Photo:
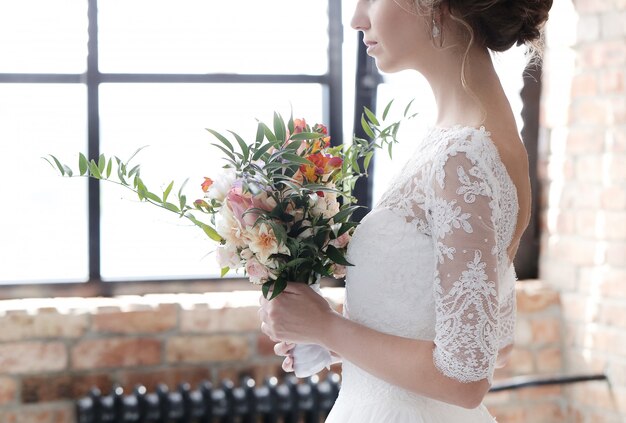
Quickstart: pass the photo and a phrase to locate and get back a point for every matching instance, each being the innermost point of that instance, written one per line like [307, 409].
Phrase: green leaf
[268, 133]
[83, 164]
[133, 171]
[226, 151]
[109, 168]
[132, 156]
[371, 116]
[102, 161]
[171, 207]
[337, 256]
[408, 106]
[260, 134]
[152, 196]
[224, 271]
[279, 127]
[366, 127]
[261, 151]
[279, 286]
[294, 158]
[366, 161]
[59, 165]
[167, 191]
[93, 169]
[222, 139]
[387, 109]
[345, 213]
[242, 144]
[303, 136]
[69, 171]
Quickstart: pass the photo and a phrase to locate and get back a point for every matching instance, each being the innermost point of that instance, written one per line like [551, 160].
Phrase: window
[111, 76]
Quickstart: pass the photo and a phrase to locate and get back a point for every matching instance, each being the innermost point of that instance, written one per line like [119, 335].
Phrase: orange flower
[207, 184]
[299, 125]
[321, 164]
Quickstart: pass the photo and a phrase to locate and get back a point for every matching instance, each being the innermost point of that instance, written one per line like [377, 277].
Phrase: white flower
[228, 257]
[263, 243]
[222, 184]
[230, 229]
[257, 273]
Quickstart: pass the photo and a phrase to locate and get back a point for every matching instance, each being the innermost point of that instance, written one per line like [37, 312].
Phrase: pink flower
[339, 271]
[257, 273]
[341, 241]
[241, 202]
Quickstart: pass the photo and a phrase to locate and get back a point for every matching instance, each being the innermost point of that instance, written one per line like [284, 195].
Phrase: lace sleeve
[461, 214]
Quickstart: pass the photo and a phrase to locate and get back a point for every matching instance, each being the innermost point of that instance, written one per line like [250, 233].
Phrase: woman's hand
[285, 349]
[297, 316]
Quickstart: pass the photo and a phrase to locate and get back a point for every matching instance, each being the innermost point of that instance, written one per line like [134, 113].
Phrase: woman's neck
[460, 103]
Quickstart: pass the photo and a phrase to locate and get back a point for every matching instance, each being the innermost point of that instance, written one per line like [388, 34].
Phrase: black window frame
[92, 78]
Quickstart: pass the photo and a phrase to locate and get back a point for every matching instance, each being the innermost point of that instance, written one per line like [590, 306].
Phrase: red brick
[520, 362]
[617, 170]
[613, 81]
[618, 134]
[584, 84]
[607, 281]
[581, 140]
[590, 111]
[585, 360]
[545, 413]
[590, 168]
[535, 296]
[576, 250]
[593, 394]
[40, 413]
[228, 319]
[592, 6]
[265, 346]
[194, 349]
[162, 319]
[21, 326]
[171, 376]
[116, 352]
[578, 308]
[613, 198]
[50, 388]
[546, 330]
[8, 390]
[509, 414]
[616, 253]
[32, 357]
[549, 360]
[602, 54]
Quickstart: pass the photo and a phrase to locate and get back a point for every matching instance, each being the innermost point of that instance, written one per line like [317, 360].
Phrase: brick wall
[584, 197]
[53, 351]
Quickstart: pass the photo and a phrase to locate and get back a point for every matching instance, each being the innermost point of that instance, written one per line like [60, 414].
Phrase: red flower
[321, 164]
[207, 184]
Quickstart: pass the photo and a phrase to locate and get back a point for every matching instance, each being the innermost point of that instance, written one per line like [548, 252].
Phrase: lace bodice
[431, 258]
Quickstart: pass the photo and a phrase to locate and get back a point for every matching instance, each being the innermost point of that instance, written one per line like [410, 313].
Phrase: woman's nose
[359, 20]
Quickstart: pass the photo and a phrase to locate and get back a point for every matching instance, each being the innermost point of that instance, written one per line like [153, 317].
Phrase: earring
[436, 32]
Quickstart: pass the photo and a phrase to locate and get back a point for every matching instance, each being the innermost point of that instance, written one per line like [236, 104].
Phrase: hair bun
[499, 24]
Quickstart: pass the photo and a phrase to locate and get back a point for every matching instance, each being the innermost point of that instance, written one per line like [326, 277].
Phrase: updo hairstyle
[497, 24]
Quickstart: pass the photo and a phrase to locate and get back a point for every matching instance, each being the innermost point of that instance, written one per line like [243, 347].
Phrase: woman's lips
[370, 45]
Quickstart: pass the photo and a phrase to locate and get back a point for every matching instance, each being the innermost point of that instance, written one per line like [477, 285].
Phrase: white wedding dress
[430, 262]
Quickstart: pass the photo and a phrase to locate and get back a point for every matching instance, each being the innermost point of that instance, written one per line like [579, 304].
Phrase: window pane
[199, 36]
[140, 241]
[47, 36]
[43, 218]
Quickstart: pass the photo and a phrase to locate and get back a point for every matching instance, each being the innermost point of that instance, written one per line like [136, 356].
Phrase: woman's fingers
[283, 348]
[288, 364]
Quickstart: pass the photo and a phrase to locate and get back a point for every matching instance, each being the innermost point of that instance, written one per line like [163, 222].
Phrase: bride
[430, 300]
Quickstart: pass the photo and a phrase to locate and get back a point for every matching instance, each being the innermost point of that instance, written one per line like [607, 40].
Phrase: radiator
[292, 401]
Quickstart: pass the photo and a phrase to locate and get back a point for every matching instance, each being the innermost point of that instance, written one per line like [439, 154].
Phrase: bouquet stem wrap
[309, 359]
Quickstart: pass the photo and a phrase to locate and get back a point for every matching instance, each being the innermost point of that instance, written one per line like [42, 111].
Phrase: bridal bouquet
[280, 208]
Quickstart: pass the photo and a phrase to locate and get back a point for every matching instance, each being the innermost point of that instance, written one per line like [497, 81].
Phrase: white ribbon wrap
[309, 359]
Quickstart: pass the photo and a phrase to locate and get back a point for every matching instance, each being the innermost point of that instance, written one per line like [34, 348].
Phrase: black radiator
[292, 401]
